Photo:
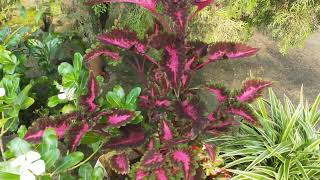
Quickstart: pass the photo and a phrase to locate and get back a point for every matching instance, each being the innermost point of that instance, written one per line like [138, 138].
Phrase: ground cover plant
[285, 146]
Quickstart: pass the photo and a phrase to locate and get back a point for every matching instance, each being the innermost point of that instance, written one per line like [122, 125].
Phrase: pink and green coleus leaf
[152, 159]
[120, 163]
[141, 174]
[148, 4]
[102, 52]
[224, 50]
[243, 111]
[166, 132]
[252, 89]
[219, 91]
[174, 65]
[161, 174]
[75, 133]
[185, 158]
[93, 90]
[133, 136]
[123, 39]
[119, 117]
[59, 124]
[211, 150]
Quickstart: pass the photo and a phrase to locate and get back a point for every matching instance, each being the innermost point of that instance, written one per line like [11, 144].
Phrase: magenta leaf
[244, 112]
[152, 159]
[105, 52]
[184, 157]
[225, 50]
[75, 133]
[166, 133]
[60, 124]
[163, 103]
[124, 39]
[148, 4]
[141, 174]
[93, 90]
[132, 136]
[120, 163]
[119, 117]
[151, 144]
[219, 91]
[161, 174]
[252, 89]
[201, 4]
[211, 151]
[173, 64]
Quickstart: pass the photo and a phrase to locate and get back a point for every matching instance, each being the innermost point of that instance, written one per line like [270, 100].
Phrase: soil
[301, 66]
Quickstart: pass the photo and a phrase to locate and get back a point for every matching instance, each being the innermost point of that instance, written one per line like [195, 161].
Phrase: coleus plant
[161, 146]
[177, 119]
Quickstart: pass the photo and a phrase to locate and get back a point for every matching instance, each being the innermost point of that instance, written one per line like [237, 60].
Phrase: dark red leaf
[75, 133]
[124, 39]
[224, 50]
[60, 124]
[132, 136]
[120, 163]
[184, 157]
[174, 65]
[252, 89]
[211, 151]
[166, 133]
[219, 91]
[89, 98]
[119, 117]
[96, 53]
[244, 112]
[152, 159]
[161, 174]
[141, 174]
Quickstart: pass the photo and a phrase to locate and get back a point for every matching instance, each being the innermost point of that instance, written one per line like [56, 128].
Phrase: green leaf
[113, 100]
[131, 99]
[27, 103]
[23, 96]
[54, 100]
[250, 175]
[85, 171]
[90, 137]
[98, 173]
[65, 68]
[77, 61]
[70, 160]
[19, 146]
[9, 176]
[49, 141]
[50, 157]
[22, 131]
[119, 91]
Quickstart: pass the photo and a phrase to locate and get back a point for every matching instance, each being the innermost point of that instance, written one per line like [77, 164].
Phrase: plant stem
[1, 143]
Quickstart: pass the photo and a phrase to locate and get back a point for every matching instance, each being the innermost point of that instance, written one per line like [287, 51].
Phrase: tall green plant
[284, 146]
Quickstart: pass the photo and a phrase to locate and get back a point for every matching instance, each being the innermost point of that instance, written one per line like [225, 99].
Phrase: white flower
[30, 165]
[67, 94]
[2, 92]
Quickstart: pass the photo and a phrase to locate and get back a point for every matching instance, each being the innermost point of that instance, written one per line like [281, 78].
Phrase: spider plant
[284, 147]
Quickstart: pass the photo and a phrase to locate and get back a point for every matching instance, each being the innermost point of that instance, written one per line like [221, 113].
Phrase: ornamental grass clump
[284, 146]
[162, 145]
